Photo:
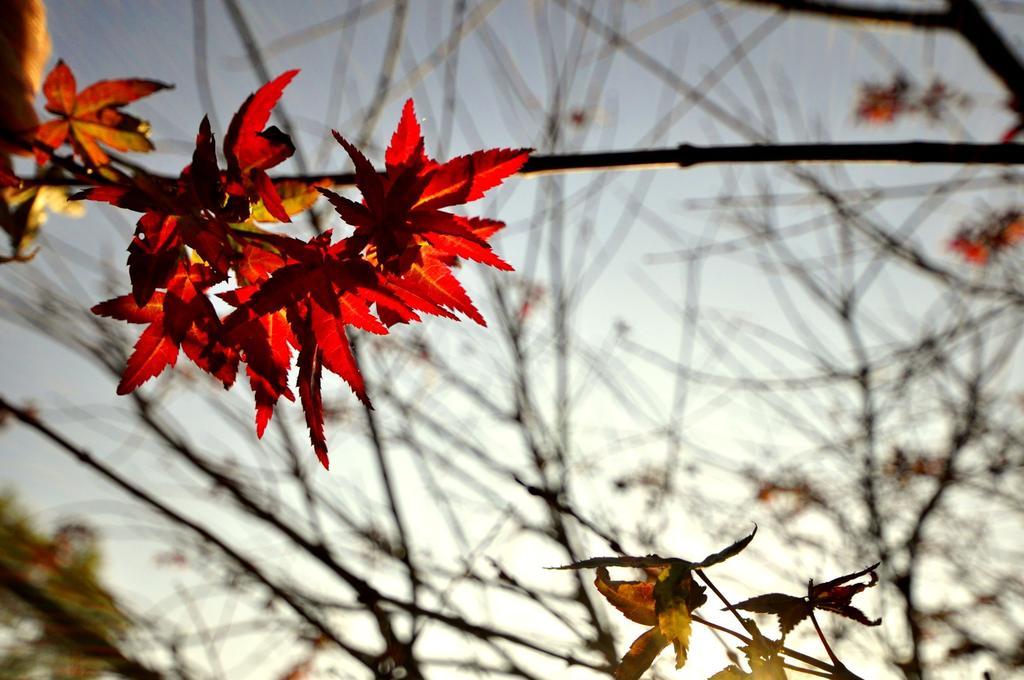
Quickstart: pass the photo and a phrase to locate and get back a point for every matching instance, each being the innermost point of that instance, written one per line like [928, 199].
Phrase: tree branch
[966, 18]
[841, 10]
[962, 16]
[248, 566]
[690, 155]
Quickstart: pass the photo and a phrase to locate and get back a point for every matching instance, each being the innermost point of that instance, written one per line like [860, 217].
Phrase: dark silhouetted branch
[961, 16]
[690, 155]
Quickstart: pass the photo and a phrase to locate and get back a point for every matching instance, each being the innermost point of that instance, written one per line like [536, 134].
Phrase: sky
[518, 60]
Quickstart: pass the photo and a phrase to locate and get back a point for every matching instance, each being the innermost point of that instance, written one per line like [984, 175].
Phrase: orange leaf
[635, 599]
[127, 309]
[92, 115]
[114, 93]
[642, 653]
[50, 135]
[59, 89]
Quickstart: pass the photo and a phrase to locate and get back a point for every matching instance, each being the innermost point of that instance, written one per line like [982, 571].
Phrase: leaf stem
[728, 605]
[832, 671]
[808, 671]
[837, 669]
[824, 642]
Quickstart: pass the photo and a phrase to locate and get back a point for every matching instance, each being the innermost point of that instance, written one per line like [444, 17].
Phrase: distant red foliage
[978, 242]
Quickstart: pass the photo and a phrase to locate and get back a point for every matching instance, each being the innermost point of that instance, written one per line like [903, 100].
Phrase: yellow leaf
[671, 597]
[296, 197]
[771, 668]
[675, 626]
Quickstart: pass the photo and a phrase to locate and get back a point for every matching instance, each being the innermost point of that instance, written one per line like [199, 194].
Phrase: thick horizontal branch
[689, 155]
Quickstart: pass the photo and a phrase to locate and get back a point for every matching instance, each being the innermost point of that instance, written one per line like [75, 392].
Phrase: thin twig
[824, 641]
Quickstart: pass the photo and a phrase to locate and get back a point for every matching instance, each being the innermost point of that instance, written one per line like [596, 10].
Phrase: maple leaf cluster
[993, 234]
[904, 467]
[789, 498]
[293, 301]
[883, 103]
[92, 116]
[666, 599]
[833, 596]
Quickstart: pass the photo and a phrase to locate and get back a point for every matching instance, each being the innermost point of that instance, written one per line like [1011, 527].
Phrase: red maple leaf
[251, 150]
[197, 209]
[317, 291]
[973, 251]
[292, 294]
[92, 116]
[397, 262]
[977, 242]
[264, 346]
[880, 104]
[8, 178]
[182, 318]
[401, 214]
[833, 596]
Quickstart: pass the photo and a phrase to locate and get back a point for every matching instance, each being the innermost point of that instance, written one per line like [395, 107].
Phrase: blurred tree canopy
[58, 619]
